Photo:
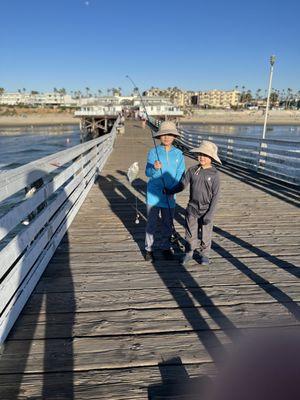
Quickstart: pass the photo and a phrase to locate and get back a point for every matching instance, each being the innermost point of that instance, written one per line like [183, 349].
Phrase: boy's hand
[167, 192]
[157, 164]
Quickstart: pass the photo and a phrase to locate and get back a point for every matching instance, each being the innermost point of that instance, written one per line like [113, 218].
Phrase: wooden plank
[149, 321]
[114, 300]
[286, 265]
[102, 283]
[111, 352]
[114, 384]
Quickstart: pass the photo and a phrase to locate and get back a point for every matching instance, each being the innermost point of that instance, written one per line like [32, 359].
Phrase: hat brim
[200, 151]
[162, 133]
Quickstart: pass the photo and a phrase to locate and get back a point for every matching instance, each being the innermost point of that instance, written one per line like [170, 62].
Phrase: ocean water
[19, 146]
[278, 132]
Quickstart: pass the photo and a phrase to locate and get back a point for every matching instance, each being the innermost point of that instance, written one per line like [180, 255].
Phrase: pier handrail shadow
[271, 289]
[281, 190]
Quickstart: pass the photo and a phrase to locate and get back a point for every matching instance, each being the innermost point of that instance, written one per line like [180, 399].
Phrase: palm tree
[87, 90]
[2, 90]
[24, 90]
[289, 97]
[248, 95]
[243, 94]
[99, 92]
[273, 97]
[257, 94]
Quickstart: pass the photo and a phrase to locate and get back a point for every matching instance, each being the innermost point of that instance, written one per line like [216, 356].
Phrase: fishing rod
[174, 236]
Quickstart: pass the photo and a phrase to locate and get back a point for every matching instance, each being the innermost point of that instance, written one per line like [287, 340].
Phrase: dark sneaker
[168, 254]
[187, 259]
[204, 260]
[149, 256]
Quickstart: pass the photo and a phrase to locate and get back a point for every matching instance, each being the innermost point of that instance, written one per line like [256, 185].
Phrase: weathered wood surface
[104, 324]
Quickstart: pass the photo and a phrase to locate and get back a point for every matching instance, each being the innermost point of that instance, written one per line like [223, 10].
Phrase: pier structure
[97, 118]
[83, 316]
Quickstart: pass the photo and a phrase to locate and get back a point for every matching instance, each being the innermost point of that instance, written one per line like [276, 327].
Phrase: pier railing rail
[32, 229]
[278, 159]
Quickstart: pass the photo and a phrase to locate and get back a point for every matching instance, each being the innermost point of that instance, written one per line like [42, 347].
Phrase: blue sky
[190, 44]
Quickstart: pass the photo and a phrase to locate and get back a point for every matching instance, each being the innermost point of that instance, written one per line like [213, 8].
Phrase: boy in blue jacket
[165, 167]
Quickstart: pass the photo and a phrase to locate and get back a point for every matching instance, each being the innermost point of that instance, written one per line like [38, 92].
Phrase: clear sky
[192, 44]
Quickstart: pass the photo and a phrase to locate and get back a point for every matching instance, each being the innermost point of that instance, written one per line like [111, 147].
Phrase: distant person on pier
[144, 120]
[204, 183]
[165, 167]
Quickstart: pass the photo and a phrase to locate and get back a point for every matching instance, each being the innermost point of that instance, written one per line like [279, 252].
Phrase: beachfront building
[218, 98]
[210, 98]
[157, 106]
[110, 105]
[177, 96]
[37, 99]
[12, 99]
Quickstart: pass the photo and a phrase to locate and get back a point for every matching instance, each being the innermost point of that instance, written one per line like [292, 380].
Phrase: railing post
[261, 155]
[229, 151]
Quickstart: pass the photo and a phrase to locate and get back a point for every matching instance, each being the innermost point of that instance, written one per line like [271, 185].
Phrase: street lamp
[272, 62]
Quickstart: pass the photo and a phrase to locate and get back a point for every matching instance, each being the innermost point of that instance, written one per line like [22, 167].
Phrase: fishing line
[174, 237]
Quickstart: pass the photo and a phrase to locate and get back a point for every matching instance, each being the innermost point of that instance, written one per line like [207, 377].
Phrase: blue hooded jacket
[173, 166]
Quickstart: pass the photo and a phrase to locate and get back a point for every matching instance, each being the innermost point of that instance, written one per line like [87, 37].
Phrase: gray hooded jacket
[204, 191]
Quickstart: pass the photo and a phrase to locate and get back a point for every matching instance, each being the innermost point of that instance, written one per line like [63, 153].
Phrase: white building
[37, 99]
[112, 105]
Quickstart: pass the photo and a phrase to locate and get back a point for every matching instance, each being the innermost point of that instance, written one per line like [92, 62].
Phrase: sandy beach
[38, 117]
[53, 117]
[255, 117]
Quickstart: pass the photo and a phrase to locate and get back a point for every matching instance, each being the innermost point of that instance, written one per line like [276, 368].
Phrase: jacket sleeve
[180, 169]
[208, 217]
[184, 181]
[150, 171]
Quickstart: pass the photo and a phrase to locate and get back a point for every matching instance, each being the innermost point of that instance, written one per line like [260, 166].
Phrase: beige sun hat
[167, 128]
[209, 149]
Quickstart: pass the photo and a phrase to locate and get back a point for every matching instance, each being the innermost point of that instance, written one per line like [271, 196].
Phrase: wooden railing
[47, 194]
[279, 159]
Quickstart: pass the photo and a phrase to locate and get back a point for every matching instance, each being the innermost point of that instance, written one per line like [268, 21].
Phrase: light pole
[272, 62]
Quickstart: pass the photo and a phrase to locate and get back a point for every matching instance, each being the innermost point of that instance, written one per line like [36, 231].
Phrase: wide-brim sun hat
[167, 128]
[209, 149]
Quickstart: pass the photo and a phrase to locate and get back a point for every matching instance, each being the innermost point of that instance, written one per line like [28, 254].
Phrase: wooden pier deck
[104, 324]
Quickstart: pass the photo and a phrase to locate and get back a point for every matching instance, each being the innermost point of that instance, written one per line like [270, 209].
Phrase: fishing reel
[175, 239]
[137, 219]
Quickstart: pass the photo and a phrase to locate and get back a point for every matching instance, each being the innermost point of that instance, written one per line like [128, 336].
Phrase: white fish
[133, 172]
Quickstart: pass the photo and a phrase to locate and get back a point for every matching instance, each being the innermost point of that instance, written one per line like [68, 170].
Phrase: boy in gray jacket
[204, 184]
